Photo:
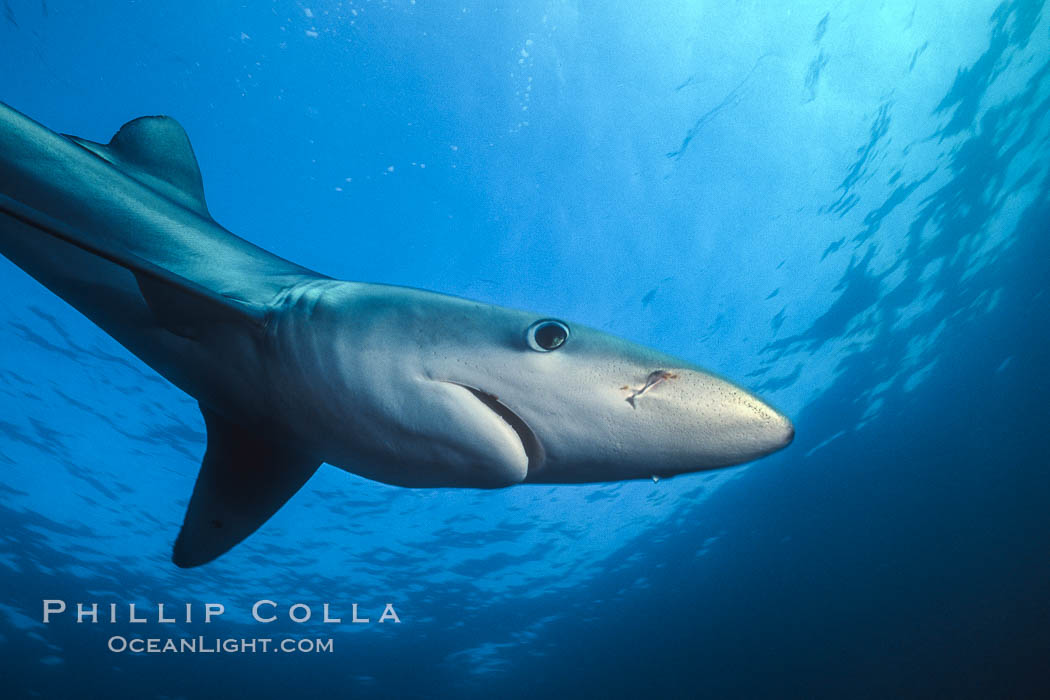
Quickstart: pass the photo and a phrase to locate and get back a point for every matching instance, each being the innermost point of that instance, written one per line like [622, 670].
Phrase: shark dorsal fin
[244, 479]
[156, 151]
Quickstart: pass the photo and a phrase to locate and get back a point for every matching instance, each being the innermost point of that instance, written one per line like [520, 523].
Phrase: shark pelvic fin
[244, 479]
[156, 151]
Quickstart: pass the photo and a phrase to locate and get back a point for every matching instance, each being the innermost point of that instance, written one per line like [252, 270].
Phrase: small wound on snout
[655, 377]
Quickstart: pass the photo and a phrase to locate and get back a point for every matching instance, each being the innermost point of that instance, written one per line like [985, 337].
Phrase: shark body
[292, 368]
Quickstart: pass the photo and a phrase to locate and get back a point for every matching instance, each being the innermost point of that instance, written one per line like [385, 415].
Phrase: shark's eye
[547, 335]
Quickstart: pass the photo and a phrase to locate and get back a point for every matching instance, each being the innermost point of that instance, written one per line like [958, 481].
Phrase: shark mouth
[530, 443]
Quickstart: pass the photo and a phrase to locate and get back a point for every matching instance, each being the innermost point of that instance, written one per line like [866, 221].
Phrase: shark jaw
[529, 442]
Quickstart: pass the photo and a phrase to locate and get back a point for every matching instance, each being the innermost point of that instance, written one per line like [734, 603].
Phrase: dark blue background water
[843, 207]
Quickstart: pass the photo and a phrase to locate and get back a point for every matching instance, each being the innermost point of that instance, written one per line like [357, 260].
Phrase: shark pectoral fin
[244, 479]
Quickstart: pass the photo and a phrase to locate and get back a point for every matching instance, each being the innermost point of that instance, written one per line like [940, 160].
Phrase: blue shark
[293, 369]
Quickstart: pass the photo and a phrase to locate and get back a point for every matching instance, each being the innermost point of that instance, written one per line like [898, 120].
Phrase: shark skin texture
[293, 369]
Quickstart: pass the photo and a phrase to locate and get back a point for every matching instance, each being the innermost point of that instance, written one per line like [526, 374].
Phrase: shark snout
[787, 433]
[704, 421]
[769, 429]
[745, 426]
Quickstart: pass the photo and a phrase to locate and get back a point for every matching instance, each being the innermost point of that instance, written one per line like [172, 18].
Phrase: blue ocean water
[844, 207]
